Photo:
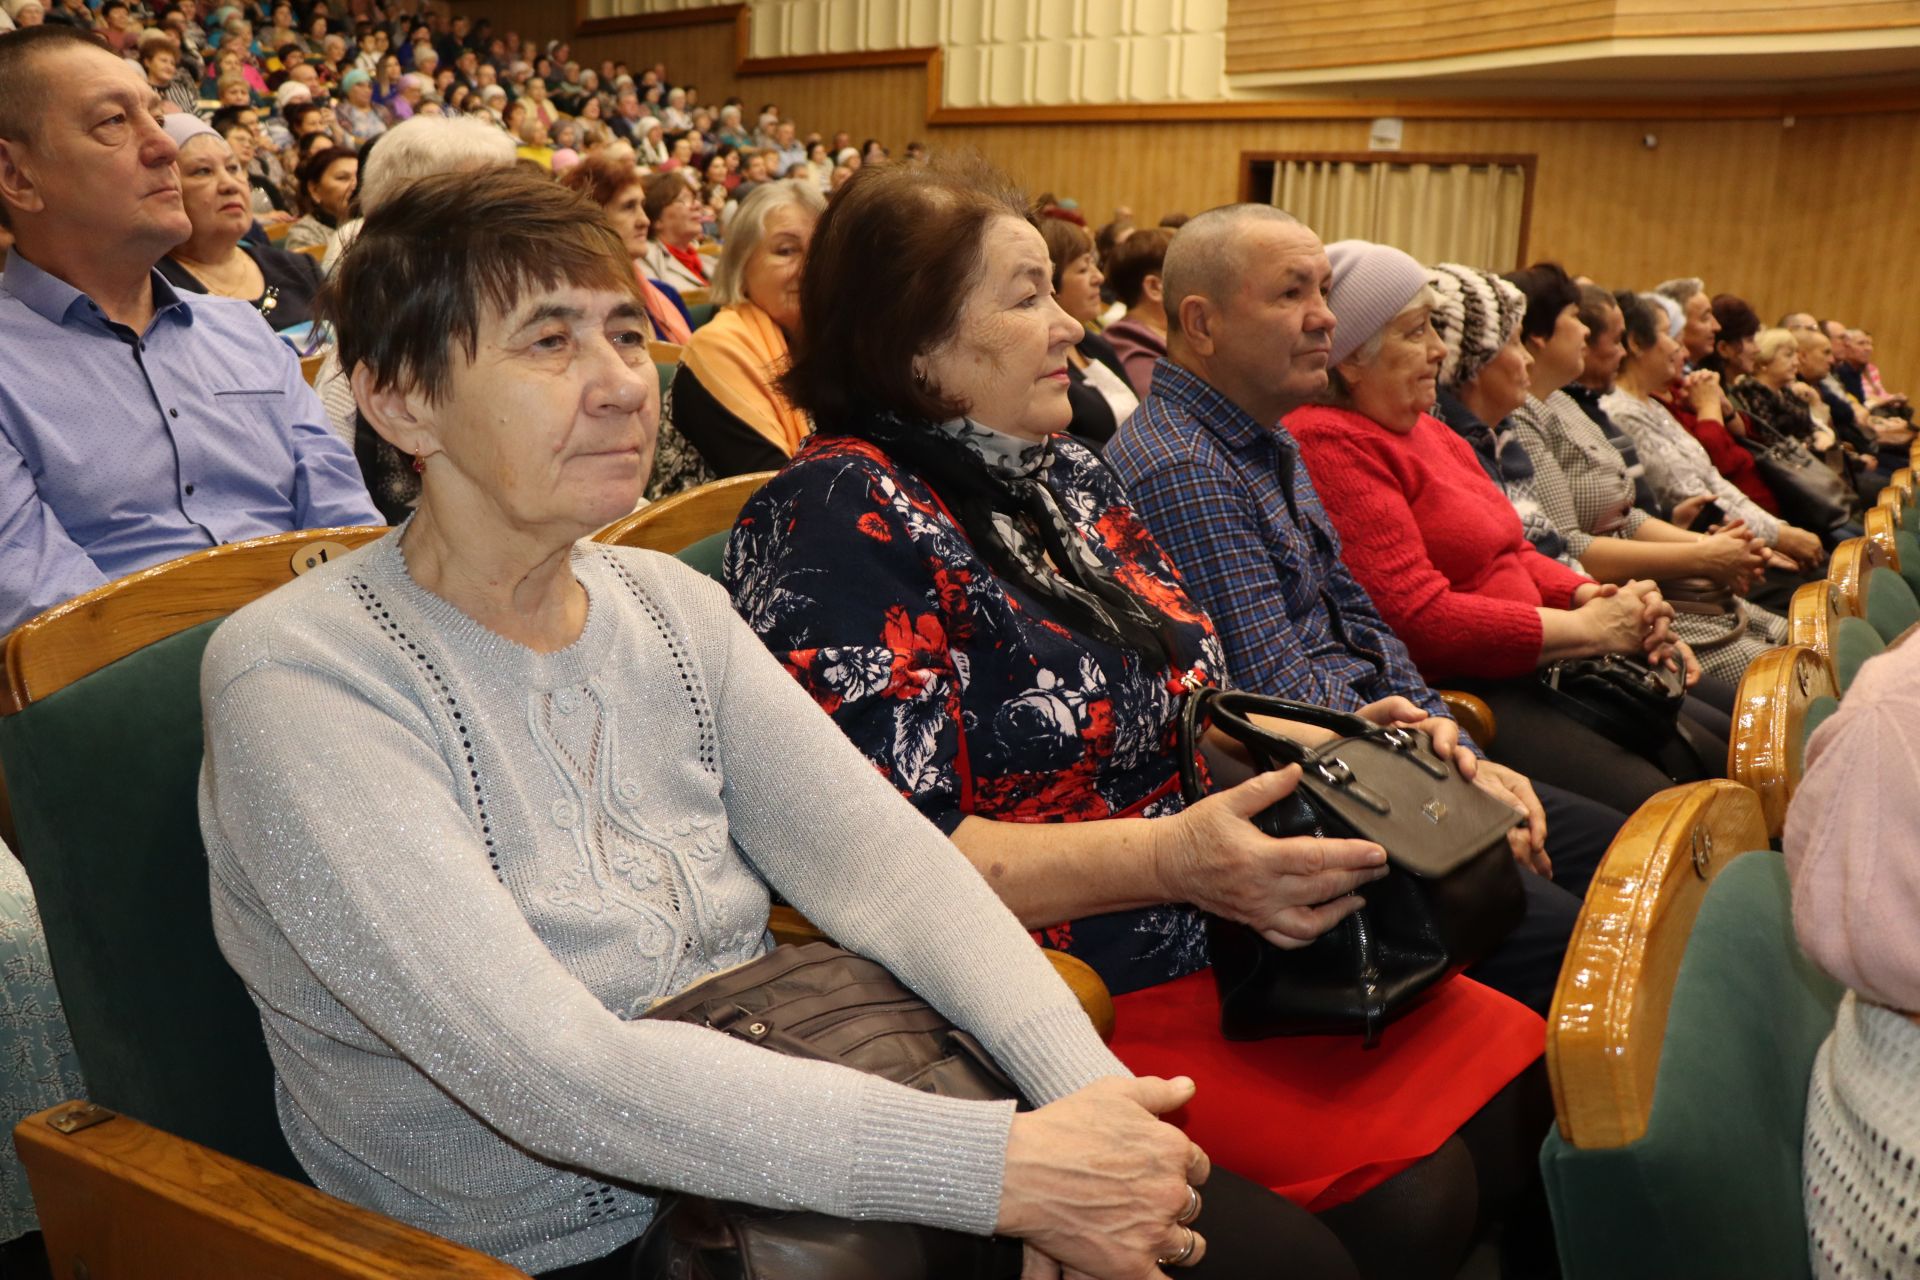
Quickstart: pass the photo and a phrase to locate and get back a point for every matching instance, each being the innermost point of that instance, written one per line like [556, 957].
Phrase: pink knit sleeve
[1448, 632]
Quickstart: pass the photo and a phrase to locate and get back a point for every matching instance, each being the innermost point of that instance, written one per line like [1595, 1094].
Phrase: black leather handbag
[1451, 893]
[821, 1002]
[1811, 494]
[1630, 703]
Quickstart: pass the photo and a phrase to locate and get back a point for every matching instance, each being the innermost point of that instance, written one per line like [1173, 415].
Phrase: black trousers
[1527, 964]
[1538, 739]
[1418, 1225]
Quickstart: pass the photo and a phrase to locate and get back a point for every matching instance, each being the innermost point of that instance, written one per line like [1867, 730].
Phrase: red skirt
[1318, 1118]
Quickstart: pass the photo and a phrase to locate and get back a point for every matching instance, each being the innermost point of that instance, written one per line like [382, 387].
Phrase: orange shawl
[737, 355]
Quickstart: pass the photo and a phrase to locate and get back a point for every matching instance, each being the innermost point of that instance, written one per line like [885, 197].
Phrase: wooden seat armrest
[121, 1200]
[789, 926]
[1473, 713]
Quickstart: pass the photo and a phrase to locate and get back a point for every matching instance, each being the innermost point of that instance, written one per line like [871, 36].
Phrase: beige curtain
[1438, 213]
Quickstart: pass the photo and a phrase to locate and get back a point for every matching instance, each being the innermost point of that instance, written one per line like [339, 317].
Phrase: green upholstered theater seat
[1891, 606]
[698, 313]
[1909, 548]
[103, 776]
[1817, 712]
[1712, 1191]
[665, 373]
[1854, 641]
[705, 554]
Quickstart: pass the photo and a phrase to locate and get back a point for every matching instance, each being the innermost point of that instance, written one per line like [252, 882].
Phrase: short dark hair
[226, 119]
[296, 114]
[1595, 302]
[1140, 255]
[1066, 242]
[861, 328]
[1549, 291]
[662, 190]
[1645, 322]
[1738, 320]
[315, 167]
[444, 251]
[22, 93]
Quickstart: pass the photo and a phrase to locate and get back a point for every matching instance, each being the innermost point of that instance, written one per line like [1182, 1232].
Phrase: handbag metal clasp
[1336, 773]
[1412, 743]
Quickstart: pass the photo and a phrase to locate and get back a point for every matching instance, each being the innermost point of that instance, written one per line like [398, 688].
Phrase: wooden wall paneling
[1811, 216]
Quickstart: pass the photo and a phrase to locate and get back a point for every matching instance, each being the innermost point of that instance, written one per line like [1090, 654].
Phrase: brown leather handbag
[821, 1002]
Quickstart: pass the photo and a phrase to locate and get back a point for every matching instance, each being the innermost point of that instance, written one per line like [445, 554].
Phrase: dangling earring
[420, 463]
[919, 377]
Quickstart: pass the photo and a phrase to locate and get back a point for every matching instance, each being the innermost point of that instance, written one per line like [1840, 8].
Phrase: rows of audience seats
[1685, 1025]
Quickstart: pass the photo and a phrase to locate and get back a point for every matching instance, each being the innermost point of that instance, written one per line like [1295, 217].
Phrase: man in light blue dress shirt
[137, 424]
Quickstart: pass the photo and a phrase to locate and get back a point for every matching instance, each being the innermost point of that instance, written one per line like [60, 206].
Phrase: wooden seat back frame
[676, 523]
[1769, 725]
[1609, 1013]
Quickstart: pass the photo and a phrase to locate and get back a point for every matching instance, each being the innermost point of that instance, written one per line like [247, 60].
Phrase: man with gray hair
[1221, 484]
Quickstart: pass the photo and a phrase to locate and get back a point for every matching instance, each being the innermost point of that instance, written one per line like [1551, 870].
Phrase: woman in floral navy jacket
[975, 602]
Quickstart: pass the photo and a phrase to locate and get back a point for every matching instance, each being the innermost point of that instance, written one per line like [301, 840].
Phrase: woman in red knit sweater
[1441, 550]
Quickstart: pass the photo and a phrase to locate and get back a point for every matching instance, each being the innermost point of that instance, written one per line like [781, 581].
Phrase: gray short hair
[424, 145]
[749, 224]
[1681, 288]
[1206, 256]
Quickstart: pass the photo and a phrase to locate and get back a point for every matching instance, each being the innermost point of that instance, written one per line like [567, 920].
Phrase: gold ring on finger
[1175, 1259]
[1192, 1210]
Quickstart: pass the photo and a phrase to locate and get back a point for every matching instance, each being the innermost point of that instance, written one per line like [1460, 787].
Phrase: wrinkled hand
[1702, 390]
[1442, 731]
[1688, 510]
[1529, 840]
[1095, 1180]
[1731, 556]
[1803, 547]
[1656, 615]
[1291, 890]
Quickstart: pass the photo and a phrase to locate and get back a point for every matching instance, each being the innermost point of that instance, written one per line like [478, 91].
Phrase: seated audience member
[1220, 482]
[938, 525]
[1699, 398]
[1599, 367]
[1699, 325]
[1134, 275]
[1871, 434]
[1677, 465]
[1097, 386]
[725, 404]
[1774, 397]
[216, 436]
[1442, 554]
[619, 191]
[1853, 857]
[1483, 379]
[324, 185]
[363, 119]
[564, 747]
[1876, 394]
[1583, 489]
[1801, 450]
[174, 77]
[240, 126]
[674, 217]
[217, 258]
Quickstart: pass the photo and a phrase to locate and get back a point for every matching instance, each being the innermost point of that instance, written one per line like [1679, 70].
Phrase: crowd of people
[1037, 482]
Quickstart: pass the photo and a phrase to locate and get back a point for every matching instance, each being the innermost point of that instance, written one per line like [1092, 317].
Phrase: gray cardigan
[453, 871]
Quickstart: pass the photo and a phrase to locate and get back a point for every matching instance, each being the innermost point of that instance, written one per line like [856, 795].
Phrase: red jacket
[1435, 544]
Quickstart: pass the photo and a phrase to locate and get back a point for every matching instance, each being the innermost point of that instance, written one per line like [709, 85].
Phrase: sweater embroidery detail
[383, 617]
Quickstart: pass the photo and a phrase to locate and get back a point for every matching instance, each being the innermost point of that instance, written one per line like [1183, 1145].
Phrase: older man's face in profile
[1277, 326]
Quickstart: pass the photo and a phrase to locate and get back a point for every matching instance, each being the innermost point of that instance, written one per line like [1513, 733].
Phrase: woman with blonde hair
[726, 401]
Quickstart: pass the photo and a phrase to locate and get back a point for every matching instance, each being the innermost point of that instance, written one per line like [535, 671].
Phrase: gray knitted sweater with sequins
[452, 872]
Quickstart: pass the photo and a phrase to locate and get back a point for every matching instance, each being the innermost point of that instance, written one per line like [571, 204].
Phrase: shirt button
[189, 491]
[173, 413]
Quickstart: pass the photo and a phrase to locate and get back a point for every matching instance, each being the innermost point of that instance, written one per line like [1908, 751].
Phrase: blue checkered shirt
[1231, 503]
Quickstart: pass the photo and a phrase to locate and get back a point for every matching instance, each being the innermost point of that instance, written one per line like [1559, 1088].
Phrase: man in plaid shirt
[1223, 487]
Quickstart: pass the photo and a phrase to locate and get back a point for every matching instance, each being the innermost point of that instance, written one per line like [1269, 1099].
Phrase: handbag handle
[1232, 709]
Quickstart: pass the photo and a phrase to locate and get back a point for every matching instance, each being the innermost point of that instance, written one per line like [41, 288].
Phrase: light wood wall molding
[585, 24]
[1281, 36]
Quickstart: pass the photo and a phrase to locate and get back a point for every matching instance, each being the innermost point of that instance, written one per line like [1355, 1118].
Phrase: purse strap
[1232, 712]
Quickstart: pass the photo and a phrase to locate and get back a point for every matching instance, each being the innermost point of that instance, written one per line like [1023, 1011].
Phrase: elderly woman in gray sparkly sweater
[480, 794]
